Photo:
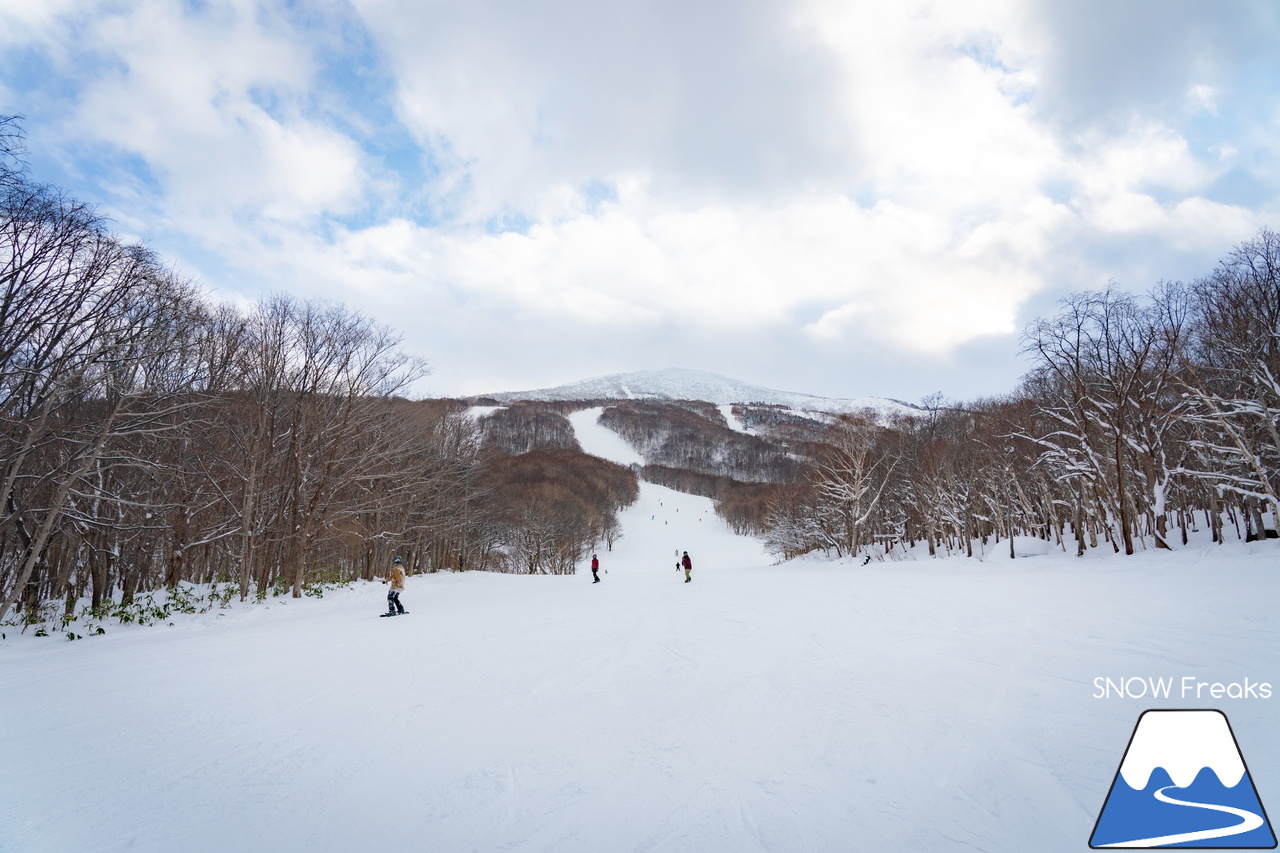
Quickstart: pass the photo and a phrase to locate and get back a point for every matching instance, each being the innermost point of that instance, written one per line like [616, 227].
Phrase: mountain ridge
[676, 383]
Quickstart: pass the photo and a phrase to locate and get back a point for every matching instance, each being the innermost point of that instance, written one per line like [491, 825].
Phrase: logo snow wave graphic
[1248, 822]
[1166, 815]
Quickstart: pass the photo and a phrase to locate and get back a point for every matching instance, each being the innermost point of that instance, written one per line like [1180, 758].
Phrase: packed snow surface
[675, 383]
[925, 706]
[930, 705]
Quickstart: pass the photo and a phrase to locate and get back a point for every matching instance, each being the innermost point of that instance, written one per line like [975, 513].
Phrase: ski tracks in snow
[932, 706]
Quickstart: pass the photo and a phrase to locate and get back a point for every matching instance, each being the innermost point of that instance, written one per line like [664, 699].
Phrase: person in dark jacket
[595, 568]
[688, 567]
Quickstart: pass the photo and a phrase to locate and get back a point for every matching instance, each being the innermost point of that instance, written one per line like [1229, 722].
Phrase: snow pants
[393, 602]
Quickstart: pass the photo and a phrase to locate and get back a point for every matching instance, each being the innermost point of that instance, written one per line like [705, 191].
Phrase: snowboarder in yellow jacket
[396, 579]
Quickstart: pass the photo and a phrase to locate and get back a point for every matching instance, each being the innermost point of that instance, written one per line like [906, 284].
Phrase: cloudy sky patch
[835, 197]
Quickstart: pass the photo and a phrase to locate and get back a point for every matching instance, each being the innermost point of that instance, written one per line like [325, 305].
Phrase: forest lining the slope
[151, 437]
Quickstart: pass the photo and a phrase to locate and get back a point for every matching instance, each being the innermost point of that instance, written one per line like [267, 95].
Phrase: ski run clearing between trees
[817, 705]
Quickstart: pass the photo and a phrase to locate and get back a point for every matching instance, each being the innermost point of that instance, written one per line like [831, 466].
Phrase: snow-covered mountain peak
[676, 383]
[1183, 743]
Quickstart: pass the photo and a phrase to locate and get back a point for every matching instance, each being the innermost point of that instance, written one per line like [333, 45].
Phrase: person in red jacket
[595, 568]
[688, 567]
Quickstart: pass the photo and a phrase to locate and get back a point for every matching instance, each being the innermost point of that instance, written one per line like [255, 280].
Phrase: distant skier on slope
[394, 607]
[595, 568]
[688, 567]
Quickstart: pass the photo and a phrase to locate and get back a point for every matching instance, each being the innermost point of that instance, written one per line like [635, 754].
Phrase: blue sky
[833, 197]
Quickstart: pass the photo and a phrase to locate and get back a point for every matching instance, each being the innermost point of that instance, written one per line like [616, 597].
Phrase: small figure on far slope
[595, 568]
[688, 567]
[396, 578]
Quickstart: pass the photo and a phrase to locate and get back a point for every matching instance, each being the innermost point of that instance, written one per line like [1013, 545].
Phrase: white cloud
[1147, 155]
[886, 274]
[1203, 98]
[515, 99]
[817, 176]
[213, 102]
[26, 21]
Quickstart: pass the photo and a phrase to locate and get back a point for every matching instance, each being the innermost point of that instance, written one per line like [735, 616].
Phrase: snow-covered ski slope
[600, 441]
[942, 705]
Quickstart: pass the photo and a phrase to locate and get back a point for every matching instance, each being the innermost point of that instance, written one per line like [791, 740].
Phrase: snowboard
[405, 613]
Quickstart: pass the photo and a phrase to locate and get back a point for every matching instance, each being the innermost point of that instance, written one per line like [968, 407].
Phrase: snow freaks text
[1186, 687]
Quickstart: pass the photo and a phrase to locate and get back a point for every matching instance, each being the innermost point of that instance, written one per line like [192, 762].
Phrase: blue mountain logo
[1183, 783]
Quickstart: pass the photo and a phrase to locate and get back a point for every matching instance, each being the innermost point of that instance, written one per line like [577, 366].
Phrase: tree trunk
[174, 574]
[1122, 502]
